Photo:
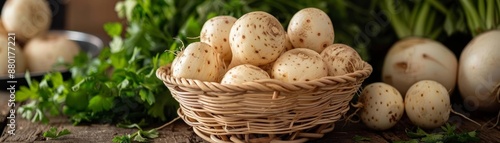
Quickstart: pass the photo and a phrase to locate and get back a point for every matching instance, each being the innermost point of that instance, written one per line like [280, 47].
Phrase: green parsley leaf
[24, 94]
[122, 139]
[432, 138]
[147, 95]
[77, 101]
[99, 103]
[113, 28]
[54, 133]
[56, 79]
[448, 135]
[138, 137]
[151, 134]
[417, 134]
[80, 117]
[408, 141]
[358, 138]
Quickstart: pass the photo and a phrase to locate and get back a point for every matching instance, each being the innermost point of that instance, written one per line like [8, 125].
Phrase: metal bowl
[87, 43]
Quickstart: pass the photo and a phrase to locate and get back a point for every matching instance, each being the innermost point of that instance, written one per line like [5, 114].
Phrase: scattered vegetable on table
[381, 106]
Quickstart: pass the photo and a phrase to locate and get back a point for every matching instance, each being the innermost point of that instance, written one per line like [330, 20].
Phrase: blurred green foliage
[159, 22]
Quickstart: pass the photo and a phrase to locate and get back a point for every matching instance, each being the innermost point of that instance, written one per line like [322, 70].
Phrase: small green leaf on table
[54, 133]
[358, 138]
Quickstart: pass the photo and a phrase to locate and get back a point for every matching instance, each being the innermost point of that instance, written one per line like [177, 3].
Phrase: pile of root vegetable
[419, 73]
[31, 44]
[256, 46]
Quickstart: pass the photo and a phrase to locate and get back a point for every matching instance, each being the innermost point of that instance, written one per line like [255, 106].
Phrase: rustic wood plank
[178, 132]
[181, 132]
[485, 134]
[398, 132]
[4, 109]
[346, 132]
[32, 132]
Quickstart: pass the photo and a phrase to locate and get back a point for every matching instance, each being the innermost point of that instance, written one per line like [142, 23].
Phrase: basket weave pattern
[265, 110]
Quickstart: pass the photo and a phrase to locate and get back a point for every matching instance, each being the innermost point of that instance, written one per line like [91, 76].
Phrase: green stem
[470, 23]
[473, 15]
[498, 5]
[414, 13]
[430, 23]
[481, 8]
[498, 13]
[400, 28]
[438, 6]
[422, 17]
[490, 14]
[434, 34]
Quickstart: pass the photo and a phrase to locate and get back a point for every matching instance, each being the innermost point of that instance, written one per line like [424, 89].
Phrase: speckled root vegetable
[215, 32]
[479, 72]
[43, 52]
[427, 104]
[244, 73]
[299, 64]
[256, 38]
[26, 18]
[311, 28]
[17, 57]
[413, 59]
[198, 61]
[341, 59]
[382, 106]
[268, 67]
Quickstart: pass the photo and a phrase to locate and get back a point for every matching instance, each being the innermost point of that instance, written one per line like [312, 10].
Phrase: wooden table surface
[181, 132]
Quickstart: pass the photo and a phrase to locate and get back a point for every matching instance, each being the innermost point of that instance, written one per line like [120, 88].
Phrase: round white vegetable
[311, 28]
[256, 38]
[479, 72]
[26, 18]
[299, 64]
[198, 61]
[244, 73]
[43, 52]
[382, 106]
[15, 56]
[414, 59]
[427, 104]
[215, 32]
[341, 59]
[268, 67]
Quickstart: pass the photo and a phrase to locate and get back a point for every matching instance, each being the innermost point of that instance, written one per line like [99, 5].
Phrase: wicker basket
[264, 110]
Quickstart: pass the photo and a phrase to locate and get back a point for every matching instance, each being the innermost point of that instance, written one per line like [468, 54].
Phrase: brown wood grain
[181, 132]
[27, 131]
[4, 109]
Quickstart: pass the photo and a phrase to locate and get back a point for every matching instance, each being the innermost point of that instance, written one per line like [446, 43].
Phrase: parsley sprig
[447, 135]
[54, 133]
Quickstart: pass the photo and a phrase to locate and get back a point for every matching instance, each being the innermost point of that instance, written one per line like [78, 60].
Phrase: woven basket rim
[163, 73]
